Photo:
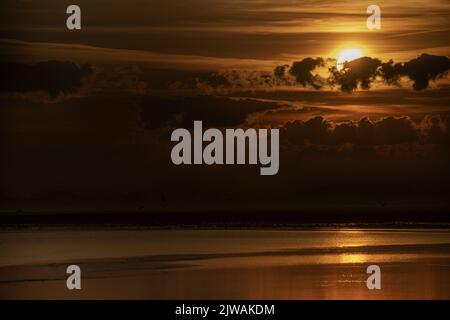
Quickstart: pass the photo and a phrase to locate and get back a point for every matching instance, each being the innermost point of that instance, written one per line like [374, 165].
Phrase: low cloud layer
[320, 74]
[51, 77]
[64, 78]
[363, 72]
[433, 129]
[157, 112]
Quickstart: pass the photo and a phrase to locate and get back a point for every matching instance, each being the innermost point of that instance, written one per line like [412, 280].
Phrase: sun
[348, 55]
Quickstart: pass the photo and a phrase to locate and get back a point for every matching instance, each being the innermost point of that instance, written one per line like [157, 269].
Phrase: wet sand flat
[225, 264]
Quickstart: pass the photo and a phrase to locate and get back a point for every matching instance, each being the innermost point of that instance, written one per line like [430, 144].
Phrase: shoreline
[286, 227]
[264, 218]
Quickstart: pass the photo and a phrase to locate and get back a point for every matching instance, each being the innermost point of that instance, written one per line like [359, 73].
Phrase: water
[226, 264]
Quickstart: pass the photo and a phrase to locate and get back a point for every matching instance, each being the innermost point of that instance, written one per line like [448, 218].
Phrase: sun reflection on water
[353, 258]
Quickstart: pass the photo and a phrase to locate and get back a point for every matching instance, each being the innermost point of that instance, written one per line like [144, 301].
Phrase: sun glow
[348, 55]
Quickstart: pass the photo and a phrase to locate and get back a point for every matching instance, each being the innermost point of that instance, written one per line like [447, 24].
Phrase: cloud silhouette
[157, 112]
[357, 73]
[316, 130]
[391, 72]
[280, 71]
[52, 77]
[57, 78]
[436, 129]
[426, 68]
[384, 131]
[302, 71]
[362, 72]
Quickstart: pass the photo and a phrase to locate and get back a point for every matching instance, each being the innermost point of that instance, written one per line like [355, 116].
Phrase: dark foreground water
[225, 264]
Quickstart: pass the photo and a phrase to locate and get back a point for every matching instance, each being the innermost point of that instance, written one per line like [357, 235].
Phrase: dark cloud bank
[57, 78]
[214, 111]
[362, 72]
[93, 148]
[52, 77]
[433, 129]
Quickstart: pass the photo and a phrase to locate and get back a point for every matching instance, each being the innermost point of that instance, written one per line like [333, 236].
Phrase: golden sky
[223, 33]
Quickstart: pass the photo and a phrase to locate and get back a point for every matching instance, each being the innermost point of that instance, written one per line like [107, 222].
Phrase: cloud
[357, 73]
[157, 112]
[313, 73]
[56, 79]
[316, 130]
[51, 77]
[280, 71]
[420, 70]
[120, 79]
[387, 130]
[391, 72]
[302, 71]
[426, 68]
[226, 81]
[436, 129]
[362, 72]
[384, 131]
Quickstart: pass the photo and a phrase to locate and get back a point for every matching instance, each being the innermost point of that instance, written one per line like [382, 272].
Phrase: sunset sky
[223, 32]
[87, 113]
